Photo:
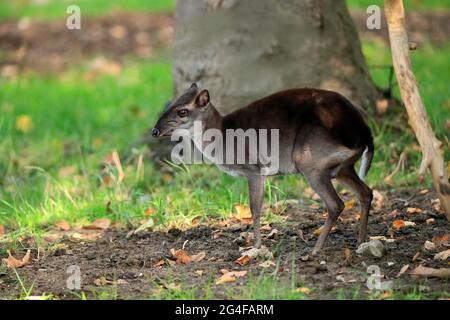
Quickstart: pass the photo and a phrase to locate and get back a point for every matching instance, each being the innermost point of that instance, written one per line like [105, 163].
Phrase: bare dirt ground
[45, 46]
[144, 263]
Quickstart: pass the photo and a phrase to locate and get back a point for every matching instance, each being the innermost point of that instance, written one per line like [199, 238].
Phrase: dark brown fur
[300, 108]
[321, 135]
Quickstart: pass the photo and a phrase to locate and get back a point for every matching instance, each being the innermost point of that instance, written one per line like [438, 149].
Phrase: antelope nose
[155, 132]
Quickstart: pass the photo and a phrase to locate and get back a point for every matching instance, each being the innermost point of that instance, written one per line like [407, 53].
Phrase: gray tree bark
[242, 50]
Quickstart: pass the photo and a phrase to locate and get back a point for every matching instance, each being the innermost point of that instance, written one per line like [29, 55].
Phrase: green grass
[76, 123]
[409, 4]
[51, 9]
[429, 64]
[416, 292]
[51, 172]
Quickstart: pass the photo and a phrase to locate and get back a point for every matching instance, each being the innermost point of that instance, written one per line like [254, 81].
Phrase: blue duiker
[321, 135]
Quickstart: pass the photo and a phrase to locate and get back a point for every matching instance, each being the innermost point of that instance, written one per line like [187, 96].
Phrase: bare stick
[432, 153]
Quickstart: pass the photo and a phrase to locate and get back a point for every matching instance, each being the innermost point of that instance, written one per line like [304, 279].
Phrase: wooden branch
[432, 153]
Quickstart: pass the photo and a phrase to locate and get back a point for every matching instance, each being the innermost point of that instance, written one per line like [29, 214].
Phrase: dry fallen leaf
[415, 256]
[167, 177]
[350, 204]
[230, 276]
[413, 210]
[242, 260]
[308, 192]
[382, 106]
[398, 224]
[393, 214]
[347, 255]
[199, 272]
[89, 235]
[198, 257]
[246, 238]
[316, 196]
[267, 264]
[102, 65]
[2, 231]
[441, 241]
[99, 224]
[12, 262]
[181, 255]
[146, 225]
[102, 223]
[102, 281]
[217, 235]
[422, 271]
[24, 124]
[184, 258]
[118, 31]
[107, 180]
[160, 263]
[304, 290]
[318, 231]
[243, 214]
[402, 270]
[272, 234]
[117, 224]
[442, 255]
[227, 277]
[378, 200]
[150, 211]
[257, 252]
[121, 282]
[62, 225]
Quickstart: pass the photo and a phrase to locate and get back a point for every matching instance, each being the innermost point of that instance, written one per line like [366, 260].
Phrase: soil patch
[49, 47]
[136, 260]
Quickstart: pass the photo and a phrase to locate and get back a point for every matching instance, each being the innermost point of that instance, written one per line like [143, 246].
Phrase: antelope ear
[194, 85]
[202, 99]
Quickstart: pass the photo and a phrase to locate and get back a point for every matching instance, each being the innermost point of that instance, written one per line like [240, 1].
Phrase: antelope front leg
[256, 186]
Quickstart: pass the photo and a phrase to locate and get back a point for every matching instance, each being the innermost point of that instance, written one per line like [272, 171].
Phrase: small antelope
[321, 135]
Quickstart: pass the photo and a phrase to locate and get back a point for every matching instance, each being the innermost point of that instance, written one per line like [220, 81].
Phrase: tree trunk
[432, 154]
[242, 50]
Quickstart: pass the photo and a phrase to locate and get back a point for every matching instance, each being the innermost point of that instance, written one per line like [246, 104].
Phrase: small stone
[305, 257]
[258, 252]
[373, 248]
[429, 245]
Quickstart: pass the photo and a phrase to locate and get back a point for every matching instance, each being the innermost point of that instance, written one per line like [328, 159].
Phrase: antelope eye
[182, 113]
